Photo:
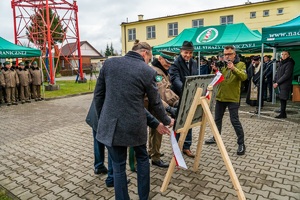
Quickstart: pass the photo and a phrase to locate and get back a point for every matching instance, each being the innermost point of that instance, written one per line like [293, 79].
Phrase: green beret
[34, 63]
[7, 63]
[168, 56]
[21, 64]
[27, 62]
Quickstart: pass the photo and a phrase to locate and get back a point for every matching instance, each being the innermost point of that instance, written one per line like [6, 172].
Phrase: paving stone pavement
[46, 152]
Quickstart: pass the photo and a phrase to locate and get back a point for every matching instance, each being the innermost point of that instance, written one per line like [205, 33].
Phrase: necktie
[187, 64]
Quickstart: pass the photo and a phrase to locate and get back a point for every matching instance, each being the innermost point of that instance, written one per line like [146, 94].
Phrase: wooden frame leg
[223, 151]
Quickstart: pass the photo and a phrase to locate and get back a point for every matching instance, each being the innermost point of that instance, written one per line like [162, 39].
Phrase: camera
[219, 64]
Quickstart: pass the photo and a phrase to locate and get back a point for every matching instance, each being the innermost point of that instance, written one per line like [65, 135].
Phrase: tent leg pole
[261, 79]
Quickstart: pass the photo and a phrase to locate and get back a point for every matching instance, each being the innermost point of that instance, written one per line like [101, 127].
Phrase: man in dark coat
[99, 148]
[183, 66]
[119, 99]
[283, 81]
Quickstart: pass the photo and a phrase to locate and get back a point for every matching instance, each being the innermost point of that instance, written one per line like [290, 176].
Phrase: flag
[218, 79]
[177, 153]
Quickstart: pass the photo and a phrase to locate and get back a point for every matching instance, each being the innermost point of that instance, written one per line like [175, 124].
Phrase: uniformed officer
[1, 88]
[36, 76]
[25, 80]
[10, 81]
[169, 99]
[17, 90]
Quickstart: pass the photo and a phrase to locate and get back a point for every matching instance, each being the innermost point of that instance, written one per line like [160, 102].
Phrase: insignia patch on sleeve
[158, 78]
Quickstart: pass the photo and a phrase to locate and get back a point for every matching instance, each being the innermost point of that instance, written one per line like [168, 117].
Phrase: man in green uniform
[170, 101]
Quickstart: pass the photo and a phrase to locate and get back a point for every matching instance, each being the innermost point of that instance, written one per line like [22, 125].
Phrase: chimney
[141, 17]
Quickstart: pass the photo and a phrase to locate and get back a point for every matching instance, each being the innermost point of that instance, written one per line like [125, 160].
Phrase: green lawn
[3, 196]
[71, 88]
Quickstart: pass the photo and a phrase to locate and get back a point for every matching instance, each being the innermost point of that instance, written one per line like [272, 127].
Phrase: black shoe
[281, 116]
[269, 100]
[101, 170]
[241, 149]
[210, 141]
[160, 163]
[161, 155]
[111, 184]
[14, 103]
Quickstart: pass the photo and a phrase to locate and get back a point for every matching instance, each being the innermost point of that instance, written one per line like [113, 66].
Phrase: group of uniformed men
[20, 82]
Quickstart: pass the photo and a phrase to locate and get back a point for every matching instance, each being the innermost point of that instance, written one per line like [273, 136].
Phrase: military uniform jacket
[168, 96]
[24, 77]
[1, 78]
[36, 76]
[10, 77]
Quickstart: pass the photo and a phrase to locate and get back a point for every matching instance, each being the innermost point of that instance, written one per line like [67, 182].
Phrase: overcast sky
[99, 20]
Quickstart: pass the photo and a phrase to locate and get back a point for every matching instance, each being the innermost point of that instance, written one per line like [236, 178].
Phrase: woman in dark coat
[283, 81]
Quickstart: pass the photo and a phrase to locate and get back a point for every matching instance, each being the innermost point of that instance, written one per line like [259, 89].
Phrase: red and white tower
[44, 14]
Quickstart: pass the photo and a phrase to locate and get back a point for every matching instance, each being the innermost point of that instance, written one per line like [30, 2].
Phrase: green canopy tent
[285, 36]
[282, 36]
[10, 50]
[212, 39]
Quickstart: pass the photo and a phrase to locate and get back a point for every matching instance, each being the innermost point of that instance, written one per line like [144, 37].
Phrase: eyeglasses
[228, 54]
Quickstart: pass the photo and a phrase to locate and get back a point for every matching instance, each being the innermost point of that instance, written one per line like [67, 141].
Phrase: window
[150, 32]
[131, 34]
[266, 13]
[279, 11]
[173, 29]
[252, 15]
[197, 23]
[226, 20]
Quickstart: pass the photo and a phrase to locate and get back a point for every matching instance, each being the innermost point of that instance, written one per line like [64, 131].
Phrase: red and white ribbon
[218, 79]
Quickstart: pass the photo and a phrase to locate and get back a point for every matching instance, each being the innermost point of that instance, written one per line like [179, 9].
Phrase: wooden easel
[206, 117]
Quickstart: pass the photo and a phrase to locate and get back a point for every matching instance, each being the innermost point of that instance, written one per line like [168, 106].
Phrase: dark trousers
[234, 118]
[270, 88]
[188, 140]
[118, 156]
[98, 152]
[283, 107]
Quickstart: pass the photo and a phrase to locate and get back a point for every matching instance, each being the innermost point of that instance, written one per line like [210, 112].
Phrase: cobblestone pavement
[46, 152]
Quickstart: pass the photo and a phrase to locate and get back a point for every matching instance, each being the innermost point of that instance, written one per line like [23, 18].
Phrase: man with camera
[228, 95]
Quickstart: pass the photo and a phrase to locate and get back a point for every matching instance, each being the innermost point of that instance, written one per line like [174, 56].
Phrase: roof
[70, 48]
[250, 4]
[212, 39]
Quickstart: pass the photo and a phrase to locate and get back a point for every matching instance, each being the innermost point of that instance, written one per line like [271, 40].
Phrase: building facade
[255, 15]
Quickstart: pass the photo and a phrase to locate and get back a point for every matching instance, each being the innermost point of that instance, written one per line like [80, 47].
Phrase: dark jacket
[119, 100]
[284, 77]
[179, 70]
[92, 118]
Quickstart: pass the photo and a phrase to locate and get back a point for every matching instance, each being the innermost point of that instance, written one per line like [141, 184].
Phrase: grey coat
[92, 118]
[119, 99]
